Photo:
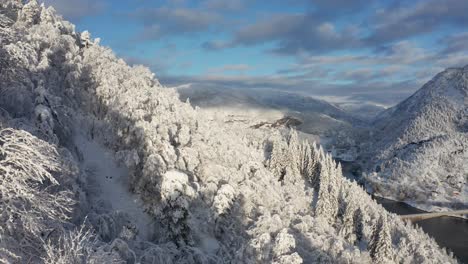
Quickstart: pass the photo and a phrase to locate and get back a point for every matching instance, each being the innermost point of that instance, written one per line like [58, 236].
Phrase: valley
[102, 163]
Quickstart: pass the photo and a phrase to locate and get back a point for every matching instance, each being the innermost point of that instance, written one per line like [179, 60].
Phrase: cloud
[216, 45]
[356, 68]
[319, 30]
[75, 10]
[334, 8]
[340, 4]
[401, 21]
[380, 93]
[273, 28]
[237, 68]
[293, 33]
[403, 52]
[159, 67]
[310, 31]
[164, 21]
[340, 47]
[455, 44]
[231, 5]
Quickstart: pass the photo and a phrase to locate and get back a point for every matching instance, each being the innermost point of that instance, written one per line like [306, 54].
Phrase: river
[449, 232]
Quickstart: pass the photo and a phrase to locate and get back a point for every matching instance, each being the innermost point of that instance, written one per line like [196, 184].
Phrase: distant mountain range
[317, 116]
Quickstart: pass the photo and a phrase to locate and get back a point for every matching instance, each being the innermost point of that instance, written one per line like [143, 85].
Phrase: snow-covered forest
[101, 164]
[414, 152]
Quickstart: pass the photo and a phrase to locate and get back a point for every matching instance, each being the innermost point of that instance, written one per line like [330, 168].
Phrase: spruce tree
[324, 207]
[334, 187]
[305, 158]
[277, 157]
[294, 153]
[380, 246]
[348, 227]
[358, 224]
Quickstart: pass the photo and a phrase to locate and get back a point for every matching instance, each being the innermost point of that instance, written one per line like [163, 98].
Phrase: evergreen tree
[348, 227]
[305, 158]
[309, 164]
[295, 154]
[358, 224]
[313, 167]
[372, 246]
[279, 160]
[323, 207]
[335, 175]
[380, 246]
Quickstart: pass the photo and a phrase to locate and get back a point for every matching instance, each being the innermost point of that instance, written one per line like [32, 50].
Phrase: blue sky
[349, 50]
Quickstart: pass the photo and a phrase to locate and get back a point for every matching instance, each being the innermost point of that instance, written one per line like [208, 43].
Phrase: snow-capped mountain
[363, 110]
[256, 105]
[99, 163]
[419, 148]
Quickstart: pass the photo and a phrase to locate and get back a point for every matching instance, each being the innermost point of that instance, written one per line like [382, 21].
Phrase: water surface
[449, 232]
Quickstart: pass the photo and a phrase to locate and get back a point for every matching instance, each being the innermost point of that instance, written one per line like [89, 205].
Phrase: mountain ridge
[428, 126]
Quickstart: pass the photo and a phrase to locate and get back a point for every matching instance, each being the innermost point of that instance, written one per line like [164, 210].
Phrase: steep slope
[420, 147]
[74, 117]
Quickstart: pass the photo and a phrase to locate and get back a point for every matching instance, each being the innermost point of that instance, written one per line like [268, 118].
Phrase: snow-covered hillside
[419, 148]
[99, 163]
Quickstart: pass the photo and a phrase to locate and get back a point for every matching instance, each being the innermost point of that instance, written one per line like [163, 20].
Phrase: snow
[254, 106]
[218, 192]
[112, 184]
[417, 150]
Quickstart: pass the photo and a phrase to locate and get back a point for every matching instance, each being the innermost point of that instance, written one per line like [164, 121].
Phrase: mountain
[317, 116]
[362, 110]
[99, 163]
[419, 148]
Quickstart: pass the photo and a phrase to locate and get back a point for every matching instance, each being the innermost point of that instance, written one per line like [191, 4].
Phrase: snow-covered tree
[329, 188]
[278, 161]
[380, 245]
[348, 225]
[31, 199]
[202, 182]
[358, 224]
[78, 247]
[309, 163]
[30, 13]
[176, 195]
[324, 205]
[294, 152]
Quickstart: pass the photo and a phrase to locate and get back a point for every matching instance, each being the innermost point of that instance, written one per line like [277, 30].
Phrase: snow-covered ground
[108, 185]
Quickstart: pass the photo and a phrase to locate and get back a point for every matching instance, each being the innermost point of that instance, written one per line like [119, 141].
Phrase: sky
[362, 51]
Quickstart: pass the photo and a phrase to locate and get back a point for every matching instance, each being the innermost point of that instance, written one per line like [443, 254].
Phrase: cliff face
[101, 164]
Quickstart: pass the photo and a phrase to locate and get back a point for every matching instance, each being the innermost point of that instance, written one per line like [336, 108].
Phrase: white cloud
[239, 68]
[75, 10]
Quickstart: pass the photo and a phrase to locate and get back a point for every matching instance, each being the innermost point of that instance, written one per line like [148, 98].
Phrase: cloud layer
[375, 50]
[75, 10]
